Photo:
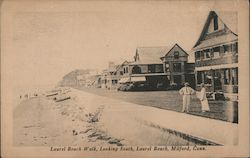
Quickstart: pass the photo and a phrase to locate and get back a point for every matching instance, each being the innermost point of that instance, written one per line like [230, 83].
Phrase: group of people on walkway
[186, 93]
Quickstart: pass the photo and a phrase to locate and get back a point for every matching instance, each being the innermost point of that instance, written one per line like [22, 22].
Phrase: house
[216, 54]
[113, 74]
[148, 67]
[158, 67]
[177, 68]
[124, 72]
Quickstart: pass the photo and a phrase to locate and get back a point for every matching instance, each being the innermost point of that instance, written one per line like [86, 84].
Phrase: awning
[124, 80]
[137, 79]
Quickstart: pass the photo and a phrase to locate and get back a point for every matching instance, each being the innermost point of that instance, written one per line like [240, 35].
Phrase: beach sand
[84, 119]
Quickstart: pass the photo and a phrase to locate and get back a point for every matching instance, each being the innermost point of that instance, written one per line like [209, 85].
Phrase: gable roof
[216, 41]
[112, 68]
[173, 48]
[120, 65]
[151, 55]
[228, 18]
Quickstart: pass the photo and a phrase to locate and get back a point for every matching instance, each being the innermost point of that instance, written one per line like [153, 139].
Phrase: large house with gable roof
[216, 54]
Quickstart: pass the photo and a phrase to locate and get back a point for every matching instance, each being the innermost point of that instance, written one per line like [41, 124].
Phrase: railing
[218, 61]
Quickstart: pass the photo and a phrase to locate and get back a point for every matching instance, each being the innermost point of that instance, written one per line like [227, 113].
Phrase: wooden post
[212, 79]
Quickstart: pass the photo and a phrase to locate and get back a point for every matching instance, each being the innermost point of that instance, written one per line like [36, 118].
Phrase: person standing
[203, 99]
[186, 93]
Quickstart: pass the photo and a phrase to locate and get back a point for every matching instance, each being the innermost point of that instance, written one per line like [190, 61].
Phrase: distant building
[125, 71]
[103, 77]
[216, 54]
[159, 67]
[96, 80]
[112, 75]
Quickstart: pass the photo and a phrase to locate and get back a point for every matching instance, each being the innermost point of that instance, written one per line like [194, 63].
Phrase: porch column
[196, 79]
[212, 80]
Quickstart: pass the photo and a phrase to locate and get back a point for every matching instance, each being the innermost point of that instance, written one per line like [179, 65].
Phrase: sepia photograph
[125, 78]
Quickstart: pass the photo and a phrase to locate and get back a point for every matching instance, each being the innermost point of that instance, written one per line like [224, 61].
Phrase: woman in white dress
[203, 99]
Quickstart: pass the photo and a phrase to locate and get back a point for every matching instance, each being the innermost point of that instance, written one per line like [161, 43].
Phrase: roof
[151, 55]
[229, 18]
[113, 68]
[116, 67]
[124, 63]
[216, 41]
[173, 48]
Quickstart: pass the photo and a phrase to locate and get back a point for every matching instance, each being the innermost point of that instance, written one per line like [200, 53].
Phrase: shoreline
[81, 121]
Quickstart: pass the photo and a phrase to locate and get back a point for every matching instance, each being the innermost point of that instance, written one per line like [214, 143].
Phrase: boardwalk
[170, 100]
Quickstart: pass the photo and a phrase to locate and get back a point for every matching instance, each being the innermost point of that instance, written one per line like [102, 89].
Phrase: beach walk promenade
[90, 119]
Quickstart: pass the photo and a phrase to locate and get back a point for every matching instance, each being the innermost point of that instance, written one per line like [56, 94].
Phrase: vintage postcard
[124, 78]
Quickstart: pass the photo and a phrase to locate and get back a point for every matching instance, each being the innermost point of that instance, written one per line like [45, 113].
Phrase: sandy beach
[42, 121]
[84, 119]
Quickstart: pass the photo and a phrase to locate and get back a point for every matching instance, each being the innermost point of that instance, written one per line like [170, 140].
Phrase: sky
[44, 40]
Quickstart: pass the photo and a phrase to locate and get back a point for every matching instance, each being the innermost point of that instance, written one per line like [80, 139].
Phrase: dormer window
[176, 55]
[216, 23]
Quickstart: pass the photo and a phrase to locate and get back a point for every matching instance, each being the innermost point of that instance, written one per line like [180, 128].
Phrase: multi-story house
[159, 67]
[113, 75]
[147, 66]
[177, 68]
[216, 54]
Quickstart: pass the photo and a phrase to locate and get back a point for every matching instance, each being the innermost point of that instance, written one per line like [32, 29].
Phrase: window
[235, 47]
[217, 80]
[151, 68]
[227, 48]
[215, 23]
[206, 54]
[199, 77]
[202, 55]
[197, 55]
[177, 67]
[125, 70]
[155, 68]
[226, 76]
[211, 51]
[216, 51]
[167, 68]
[207, 77]
[121, 72]
[176, 55]
[114, 81]
[235, 76]
[159, 68]
[136, 70]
